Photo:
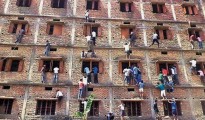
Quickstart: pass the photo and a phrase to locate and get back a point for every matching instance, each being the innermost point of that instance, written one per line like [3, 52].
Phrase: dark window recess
[168, 108]
[198, 53]
[126, 7]
[48, 88]
[14, 28]
[51, 30]
[92, 5]
[126, 22]
[14, 48]
[193, 25]
[90, 89]
[164, 52]
[58, 3]
[165, 34]
[158, 8]
[14, 65]
[23, 3]
[6, 87]
[6, 106]
[159, 23]
[94, 111]
[130, 89]
[81, 106]
[95, 29]
[20, 18]
[51, 64]
[53, 49]
[132, 108]
[56, 19]
[196, 33]
[45, 107]
[203, 106]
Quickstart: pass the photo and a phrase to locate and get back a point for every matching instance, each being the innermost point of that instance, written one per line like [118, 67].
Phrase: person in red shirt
[165, 72]
[81, 85]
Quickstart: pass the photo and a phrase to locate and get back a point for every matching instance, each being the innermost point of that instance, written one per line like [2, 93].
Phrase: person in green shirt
[161, 77]
[161, 87]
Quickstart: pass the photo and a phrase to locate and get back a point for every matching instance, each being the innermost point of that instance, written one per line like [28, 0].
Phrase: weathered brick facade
[26, 87]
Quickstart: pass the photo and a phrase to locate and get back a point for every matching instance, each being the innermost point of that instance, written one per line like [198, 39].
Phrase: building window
[133, 108]
[54, 29]
[125, 7]
[92, 64]
[51, 64]
[190, 10]
[196, 32]
[58, 3]
[200, 66]
[126, 64]
[6, 106]
[203, 106]
[158, 8]
[16, 27]
[92, 5]
[23, 3]
[125, 32]
[165, 65]
[168, 108]
[87, 30]
[94, 111]
[11, 65]
[45, 107]
[164, 33]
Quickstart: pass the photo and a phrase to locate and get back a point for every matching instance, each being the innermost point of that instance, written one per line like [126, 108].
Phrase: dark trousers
[19, 38]
[89, 77]
[155, 40]
[95, 78]
[94, 39]
[175, 79]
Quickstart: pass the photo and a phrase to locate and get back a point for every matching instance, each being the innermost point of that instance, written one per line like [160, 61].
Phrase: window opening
[6, 106]
[45, 107]
[14, 65]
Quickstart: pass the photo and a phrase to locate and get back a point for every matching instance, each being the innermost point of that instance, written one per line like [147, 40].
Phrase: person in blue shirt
[95, 72]
[174, 108]
[161, 87]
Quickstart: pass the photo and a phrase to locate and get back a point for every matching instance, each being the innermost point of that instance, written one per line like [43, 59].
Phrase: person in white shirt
[193, 66]
[87, 16]
[55, 77]
[155, 39]
[94, 37]
[174, 75]
[127, 72]
[127, 48]
[122, 110]
[90, 44]
[84, 104]
[59, 95]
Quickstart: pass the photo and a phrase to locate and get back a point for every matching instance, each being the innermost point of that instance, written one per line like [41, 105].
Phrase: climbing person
[59, 95]
[43, 74]
[87, 16]
[200, 43]
[81, 85]
[191, 39]
[48, 47]
[20, 36]
[93, 37]
[193, 66]
[161, 87]
[156, 110]
[141, 88]
[127, 49]
[174, 108]
[122, 110]
[155, 39]
[174, 75]
[127, 72]
[55, 76]
[132, 39]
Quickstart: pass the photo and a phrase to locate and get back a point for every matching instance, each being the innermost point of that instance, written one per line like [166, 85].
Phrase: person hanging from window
[59, 95]
[155, 39]
[165, 73]
[193, 66]
[161, 87]
[127, 49]
[174, 108]
[141, 88]
[87, 72]
[201, 75]
[127, 72]
[135, 73]
[94, 37]
[90, 44]
[170, 85]
[200, 43]
[122, 110]
[81, 85]
[132, 39]
[110, 116]
[43, 74]
[48, 47]
[160, 77]
[95, 72]
[191, 39]
[55, 77]
[156, 110]
[85, 82]
[87, 16]
[20, 36]
[174, 75]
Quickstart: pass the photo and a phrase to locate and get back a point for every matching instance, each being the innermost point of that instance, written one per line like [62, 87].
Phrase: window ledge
[50, 57]
[4, 97]
[38, 98]
[19, 21]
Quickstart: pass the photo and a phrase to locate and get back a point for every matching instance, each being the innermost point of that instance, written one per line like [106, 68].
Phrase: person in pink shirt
[201, 75]
[81, 85]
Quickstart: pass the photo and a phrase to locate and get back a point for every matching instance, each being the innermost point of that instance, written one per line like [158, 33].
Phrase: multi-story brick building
[62, 23]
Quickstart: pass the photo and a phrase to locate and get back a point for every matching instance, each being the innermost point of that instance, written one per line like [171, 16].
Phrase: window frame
[169, 109]
[194, 30]
[88, 28]
[50, 107]
[130, 109]
[8, 108]
[160, 8]
[93, 6]
[22, 3]
[61, 64]
[125, 32]
[19, 24]
[94, 110]
[128, 7]
[190, 9]
[164, 32]
[91, 61]
[59, 3]
[57, 28]
[6, 64]
[167, 66]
